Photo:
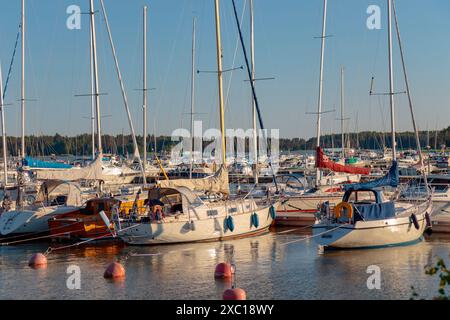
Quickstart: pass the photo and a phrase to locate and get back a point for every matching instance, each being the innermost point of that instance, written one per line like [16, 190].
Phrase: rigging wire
[12, 61]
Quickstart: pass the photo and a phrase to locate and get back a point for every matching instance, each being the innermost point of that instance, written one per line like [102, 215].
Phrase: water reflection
[267, 268]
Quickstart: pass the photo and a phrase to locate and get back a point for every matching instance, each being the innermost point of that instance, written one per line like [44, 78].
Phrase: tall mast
[95, 69]
[391, 79]
[219, 72]
[319, 104]
[5, 157]
[124, 95]
[252, 56]
[91, 58]
[413, 118]
[342, 113]
[192, 95]
[22, 99]
[144, 97]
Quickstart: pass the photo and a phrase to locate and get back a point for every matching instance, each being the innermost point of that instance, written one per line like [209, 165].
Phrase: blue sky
[58, 64]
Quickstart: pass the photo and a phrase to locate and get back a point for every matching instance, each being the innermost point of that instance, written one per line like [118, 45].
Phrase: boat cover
[374, 211]
[35, 163]
[390, 179]
[218, 183]
[323, 162]
[53, 188]
[92, 172]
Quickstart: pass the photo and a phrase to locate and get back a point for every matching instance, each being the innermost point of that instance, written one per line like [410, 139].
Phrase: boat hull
[301, 210]
[211, 229]
[29, 221]
[371, 234]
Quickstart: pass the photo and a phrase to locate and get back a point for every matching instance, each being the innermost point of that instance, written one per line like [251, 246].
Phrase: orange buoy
[114, 271]
[223, 270]
[38, 260]
[234, 294]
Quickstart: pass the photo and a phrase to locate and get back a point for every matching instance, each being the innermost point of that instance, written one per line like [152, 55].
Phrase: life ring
[255, 220]
[338, 210]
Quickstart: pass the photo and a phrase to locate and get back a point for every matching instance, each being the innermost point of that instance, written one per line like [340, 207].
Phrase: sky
[286, 48]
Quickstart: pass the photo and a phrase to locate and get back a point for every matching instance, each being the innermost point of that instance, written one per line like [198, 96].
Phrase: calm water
[266, 269]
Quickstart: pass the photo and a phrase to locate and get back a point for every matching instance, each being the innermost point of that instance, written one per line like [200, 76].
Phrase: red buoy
[114, 271]
[223, 271]
[234, 294]
[38, 260]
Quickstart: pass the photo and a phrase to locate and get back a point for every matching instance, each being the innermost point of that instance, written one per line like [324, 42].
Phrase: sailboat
[364, 219]
[192, 210]
[300, 209]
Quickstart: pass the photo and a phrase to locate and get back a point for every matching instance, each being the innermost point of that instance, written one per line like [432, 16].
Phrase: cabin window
[101, 206]
[232, 210]
[211, 213]
[362, 197]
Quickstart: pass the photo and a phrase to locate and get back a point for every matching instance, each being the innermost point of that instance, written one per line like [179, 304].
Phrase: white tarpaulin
[218, 183]
[92, 172]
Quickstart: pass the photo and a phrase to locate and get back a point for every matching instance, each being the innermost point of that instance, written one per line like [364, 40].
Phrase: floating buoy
[38, 260]
[230, 223]
[273, 213]
[414, 221]
[114, 271]
[234, 294]
[223, 271]
[255, 220]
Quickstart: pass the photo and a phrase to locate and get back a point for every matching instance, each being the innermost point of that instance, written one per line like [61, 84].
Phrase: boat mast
[192, 95]
[95, 69]
[342, 113]
[416, 131]
[252, 57]
[5, 157]
[219, 72]
[391, 80]
[319, 104]
[91, 58]
[124, 95]
[22, 99]
[144, 96]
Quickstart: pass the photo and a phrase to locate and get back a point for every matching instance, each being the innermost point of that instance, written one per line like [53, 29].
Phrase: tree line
[81, 145]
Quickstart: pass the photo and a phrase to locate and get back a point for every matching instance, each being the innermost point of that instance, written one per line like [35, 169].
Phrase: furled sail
[218, 183]
[391, 179]
[92, 172]
[323, 162]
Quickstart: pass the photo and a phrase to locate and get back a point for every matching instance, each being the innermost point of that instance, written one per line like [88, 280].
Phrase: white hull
[29, 221]
[207, 229]
[372, 234]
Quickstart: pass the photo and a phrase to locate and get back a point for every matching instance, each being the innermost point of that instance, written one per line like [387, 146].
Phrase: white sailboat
[54, 197]
[364, 219]
[300, 209]
[178, 214]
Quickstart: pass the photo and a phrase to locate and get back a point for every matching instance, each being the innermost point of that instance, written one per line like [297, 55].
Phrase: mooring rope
[313, 236]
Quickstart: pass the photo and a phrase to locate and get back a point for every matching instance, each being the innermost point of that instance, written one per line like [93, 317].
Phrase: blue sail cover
[35, 163]
[390, 179]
